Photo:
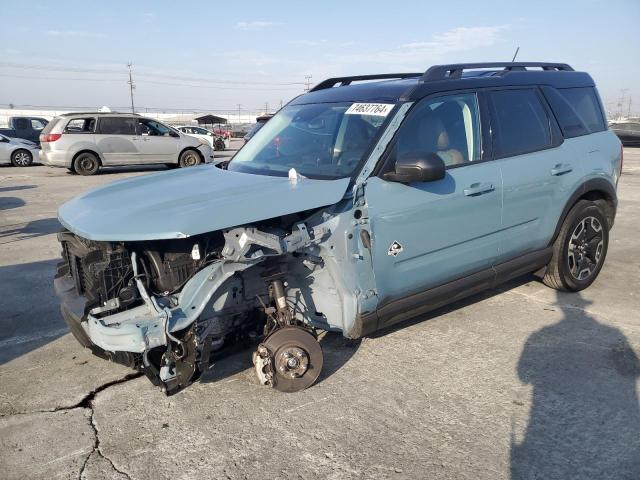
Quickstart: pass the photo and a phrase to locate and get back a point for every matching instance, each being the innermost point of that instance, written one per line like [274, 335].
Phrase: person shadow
[584, 421]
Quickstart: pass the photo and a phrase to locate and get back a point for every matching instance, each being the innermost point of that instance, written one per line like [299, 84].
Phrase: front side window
[326, 140]
[118, 125]
[81, 125]
[447, 126]
[153, 128]
[519, 123]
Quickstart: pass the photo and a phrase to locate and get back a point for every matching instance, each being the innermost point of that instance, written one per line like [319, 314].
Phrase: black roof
[440, 78]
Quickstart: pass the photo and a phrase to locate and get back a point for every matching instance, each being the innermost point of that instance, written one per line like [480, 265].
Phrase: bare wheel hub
[292, 362]
[296, 359]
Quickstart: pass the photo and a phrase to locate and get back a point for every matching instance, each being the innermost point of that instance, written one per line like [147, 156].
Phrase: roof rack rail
[454, 71]
[331, 82]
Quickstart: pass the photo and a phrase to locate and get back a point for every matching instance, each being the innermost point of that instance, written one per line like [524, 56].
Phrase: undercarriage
[172, 308]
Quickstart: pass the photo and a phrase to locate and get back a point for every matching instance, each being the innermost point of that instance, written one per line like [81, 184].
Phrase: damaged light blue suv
[365, 202]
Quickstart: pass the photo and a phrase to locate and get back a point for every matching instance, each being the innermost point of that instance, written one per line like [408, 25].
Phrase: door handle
[478, 189]
[561, 169]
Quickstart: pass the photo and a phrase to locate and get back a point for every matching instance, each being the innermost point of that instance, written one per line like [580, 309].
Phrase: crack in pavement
[87, 403]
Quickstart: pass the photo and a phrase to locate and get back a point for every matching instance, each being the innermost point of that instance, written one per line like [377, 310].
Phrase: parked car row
[83, 142]
[18, 151]
[27, 128]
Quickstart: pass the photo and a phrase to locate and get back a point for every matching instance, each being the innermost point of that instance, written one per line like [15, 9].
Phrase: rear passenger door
[118, 141]
[537, 173]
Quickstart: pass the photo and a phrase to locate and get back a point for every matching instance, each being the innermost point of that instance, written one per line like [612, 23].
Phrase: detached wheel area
[290, 359]
[219, 145]
[86, 164]
[580, 249]
[21, 158]
[189, 158]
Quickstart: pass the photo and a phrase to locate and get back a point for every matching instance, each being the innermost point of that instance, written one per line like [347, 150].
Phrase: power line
[142, 74]
[154, 82]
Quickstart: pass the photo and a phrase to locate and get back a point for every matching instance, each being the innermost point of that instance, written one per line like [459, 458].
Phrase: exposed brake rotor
[290, 359]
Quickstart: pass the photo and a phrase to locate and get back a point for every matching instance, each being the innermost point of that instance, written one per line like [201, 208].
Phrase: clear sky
[213, 56]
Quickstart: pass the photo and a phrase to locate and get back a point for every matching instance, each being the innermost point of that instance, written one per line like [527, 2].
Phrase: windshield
[325, 140]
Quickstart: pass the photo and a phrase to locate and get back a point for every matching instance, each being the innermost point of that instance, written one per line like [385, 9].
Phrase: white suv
[83, 142]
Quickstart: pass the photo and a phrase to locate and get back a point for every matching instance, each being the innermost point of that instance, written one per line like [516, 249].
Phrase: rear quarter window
[519, 122]
[586, 104]
[81, 125]
[568, 119]
[51, 125]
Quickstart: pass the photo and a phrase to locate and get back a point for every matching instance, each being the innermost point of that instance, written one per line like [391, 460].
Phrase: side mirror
[417, 167]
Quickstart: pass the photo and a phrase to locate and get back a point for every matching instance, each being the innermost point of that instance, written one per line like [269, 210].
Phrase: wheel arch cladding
[597, 190]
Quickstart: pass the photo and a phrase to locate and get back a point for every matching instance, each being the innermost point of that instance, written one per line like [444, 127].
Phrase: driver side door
[428, 234]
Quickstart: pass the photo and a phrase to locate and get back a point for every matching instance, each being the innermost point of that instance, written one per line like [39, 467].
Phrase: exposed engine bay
[171, 308]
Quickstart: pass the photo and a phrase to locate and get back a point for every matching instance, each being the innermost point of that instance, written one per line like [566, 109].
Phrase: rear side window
[519, 123]
[21, 124]
[118, 126]
[81, 125]
[586, 104]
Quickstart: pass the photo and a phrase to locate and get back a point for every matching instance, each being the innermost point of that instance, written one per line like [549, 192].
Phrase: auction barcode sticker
[376, 109]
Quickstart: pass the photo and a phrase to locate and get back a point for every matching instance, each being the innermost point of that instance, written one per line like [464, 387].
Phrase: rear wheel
[580, 249]
[86, 164]
[21, 158]
[189, 158]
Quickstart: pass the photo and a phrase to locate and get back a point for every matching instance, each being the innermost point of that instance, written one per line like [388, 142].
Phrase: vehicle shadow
[336, 350]
[465, 302]
[8, 203]
[585, 416]
[16, 187]
[131, 168]
[29, 311]
[32, 229]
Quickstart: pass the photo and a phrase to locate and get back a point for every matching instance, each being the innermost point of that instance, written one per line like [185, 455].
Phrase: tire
[580, 249]
[86, 164]
[189, 158]
[219, 145]
[21, 158]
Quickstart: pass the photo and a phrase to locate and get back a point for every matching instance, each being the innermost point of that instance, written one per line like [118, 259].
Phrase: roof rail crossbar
[332, 82]
[454, 71]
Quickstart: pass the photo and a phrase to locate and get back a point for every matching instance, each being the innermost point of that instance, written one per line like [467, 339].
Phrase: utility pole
[239, 108]
[131, 87]
[307, 82]
[266, 107]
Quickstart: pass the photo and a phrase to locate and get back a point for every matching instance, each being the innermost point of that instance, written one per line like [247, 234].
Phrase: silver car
[83, 142]
[18, 152]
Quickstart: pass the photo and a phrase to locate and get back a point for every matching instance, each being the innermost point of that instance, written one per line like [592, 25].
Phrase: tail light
[50, 137]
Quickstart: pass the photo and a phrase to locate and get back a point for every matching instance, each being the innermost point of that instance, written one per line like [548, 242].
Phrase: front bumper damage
[169, 323]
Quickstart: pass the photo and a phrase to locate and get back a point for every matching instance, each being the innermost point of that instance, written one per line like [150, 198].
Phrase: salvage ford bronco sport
[365, 202]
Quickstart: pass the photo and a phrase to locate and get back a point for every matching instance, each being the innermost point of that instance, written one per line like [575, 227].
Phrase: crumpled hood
[190, 201]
